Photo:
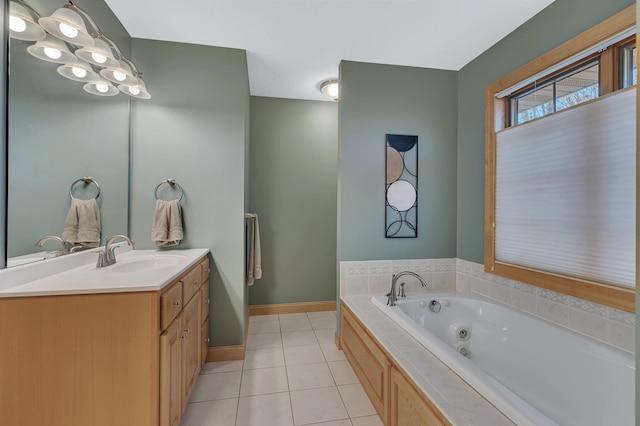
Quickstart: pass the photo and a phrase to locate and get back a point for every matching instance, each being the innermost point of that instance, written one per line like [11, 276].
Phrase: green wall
[293, 169]
[559, 22]
[194, 129]
[380, 99]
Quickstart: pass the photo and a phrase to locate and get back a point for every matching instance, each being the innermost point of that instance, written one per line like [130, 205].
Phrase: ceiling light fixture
[137, 91]
[78, 71]
[100, 88]
[22, 22]
[121, 74]
[330, 89]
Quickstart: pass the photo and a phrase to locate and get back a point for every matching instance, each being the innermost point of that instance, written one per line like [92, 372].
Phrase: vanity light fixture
[67, 25]
[121, 74]
[138, 91]
[51, 49]
[22, 22]
[99, 54]
[100, 88]
[330, 89]
[78, 71]
[97, 61]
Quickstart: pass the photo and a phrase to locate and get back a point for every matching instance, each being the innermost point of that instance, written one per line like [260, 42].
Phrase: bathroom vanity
[120, 345]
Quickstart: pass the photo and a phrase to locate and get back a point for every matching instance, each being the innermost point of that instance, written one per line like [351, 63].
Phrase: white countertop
[135, 270]
[457, 401]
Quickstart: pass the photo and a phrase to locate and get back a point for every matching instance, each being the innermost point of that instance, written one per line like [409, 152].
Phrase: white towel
[167, 223]
[82, 225]
[254, 257]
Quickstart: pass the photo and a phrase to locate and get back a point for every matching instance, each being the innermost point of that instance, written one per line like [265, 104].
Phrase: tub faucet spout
[393, 294]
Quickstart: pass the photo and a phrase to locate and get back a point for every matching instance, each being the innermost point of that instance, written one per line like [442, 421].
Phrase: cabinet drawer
[206, 302]
[171, 303]
[191, 283]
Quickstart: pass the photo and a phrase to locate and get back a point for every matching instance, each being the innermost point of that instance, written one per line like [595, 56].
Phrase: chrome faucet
[392, 296]
[63, 244]
[108, 256]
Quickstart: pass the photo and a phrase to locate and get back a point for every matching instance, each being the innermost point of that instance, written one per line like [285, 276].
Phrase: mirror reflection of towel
[254, 255]
[167, 223]
[82, 225]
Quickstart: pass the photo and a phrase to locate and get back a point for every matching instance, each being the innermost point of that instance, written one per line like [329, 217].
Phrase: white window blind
[565, 192]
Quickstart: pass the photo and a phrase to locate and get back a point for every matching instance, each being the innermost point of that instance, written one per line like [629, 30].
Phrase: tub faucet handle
[401, 293]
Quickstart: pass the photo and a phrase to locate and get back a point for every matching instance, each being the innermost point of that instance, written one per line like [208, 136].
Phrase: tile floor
[292, 374]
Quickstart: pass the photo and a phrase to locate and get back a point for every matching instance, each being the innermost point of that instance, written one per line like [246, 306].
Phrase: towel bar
[170, 182]
[87, 180]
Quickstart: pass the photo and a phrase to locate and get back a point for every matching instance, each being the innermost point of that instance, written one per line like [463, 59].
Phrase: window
[539, 101]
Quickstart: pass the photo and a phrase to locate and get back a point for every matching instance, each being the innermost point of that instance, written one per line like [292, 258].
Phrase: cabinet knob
[187, 330]
[208, 270]
[208, 339]
[196, 282]
[184, 336]
[177, 302]
[208, 301]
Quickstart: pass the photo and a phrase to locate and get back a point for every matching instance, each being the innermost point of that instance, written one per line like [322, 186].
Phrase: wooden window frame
[496, 118]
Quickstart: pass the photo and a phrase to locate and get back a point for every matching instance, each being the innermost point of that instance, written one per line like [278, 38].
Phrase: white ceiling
[293, 45]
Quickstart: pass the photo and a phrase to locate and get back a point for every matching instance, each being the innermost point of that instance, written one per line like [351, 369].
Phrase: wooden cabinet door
[191, 346]
[204, 342]
[171, 374]
[410, 408]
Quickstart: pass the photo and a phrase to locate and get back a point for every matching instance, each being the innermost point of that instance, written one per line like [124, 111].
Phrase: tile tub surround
[455, 399]
[609, 325]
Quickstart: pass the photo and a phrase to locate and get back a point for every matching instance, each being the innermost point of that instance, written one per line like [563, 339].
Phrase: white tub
[535, 372]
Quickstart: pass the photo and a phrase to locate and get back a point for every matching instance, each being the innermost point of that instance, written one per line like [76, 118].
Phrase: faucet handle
[401, 293]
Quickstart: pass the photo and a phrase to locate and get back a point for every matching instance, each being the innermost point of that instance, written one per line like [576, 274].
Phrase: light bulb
[134, 91]
[333, 90]
[52, 52]
[17, 24]
[68, 30]
[102, 88]
[101, 59]
[120, 76]
[79, 72]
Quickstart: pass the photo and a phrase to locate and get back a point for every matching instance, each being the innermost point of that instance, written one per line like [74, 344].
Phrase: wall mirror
[58, 133]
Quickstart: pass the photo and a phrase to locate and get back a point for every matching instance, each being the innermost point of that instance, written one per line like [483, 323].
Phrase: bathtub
[533, 371]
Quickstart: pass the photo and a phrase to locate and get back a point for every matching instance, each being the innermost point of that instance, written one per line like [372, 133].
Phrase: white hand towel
[254, 258]
[167, 228]
[82, 226]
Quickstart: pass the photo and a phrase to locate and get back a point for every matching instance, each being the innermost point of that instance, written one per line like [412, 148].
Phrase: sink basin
[147, 263]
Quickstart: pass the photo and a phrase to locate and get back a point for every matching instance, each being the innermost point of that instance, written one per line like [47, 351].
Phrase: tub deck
[457, 401]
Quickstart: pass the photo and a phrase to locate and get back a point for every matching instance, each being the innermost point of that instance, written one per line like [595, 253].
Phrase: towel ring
[87, 180]
[170, 182]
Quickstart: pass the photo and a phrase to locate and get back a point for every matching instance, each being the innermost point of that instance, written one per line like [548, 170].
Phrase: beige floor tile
[301, 324]
[263, 358]
[211, 413]
[336, 423]
[262, 410]
[317, 405]
[263, 380]
[216, 386]
[261, 327]
[367, 421]
[300, 315]
[326, 335]
[342, 372]
[299, 338]
[356, 400]
[331, 352]
[309, 376]
[323, 323]
[307, 354]
[264, 341]
[222, 367]
[260, 318]
[323, 314]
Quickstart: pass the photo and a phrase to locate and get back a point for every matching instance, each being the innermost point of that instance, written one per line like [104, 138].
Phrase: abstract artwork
[401, 196]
